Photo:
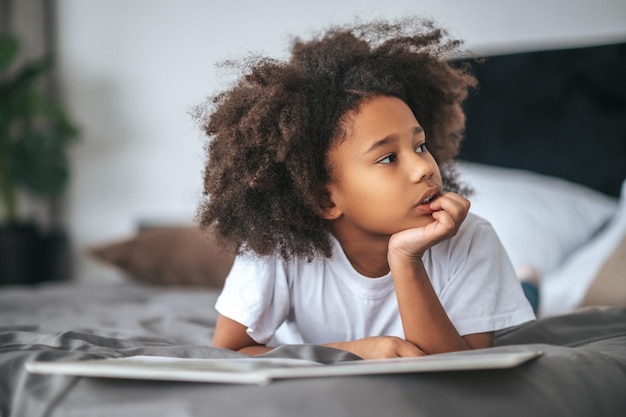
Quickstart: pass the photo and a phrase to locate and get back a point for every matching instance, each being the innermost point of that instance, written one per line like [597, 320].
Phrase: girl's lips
[429, 196]
[429, 199]
[424, 204]
[425, 208]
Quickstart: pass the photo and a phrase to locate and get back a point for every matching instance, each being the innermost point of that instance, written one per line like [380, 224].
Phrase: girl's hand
[450, 210]
[379, 347]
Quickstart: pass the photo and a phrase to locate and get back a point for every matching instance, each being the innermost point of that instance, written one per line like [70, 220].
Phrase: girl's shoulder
[475, 251]
[269, 268]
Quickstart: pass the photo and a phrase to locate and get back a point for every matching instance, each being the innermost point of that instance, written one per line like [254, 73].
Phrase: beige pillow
[608, 287]
[182, 256]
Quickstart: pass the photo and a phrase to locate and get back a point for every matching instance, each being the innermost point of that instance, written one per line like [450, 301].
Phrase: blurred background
[129, 73]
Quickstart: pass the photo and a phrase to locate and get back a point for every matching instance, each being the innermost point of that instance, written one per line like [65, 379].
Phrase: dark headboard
[558, 112]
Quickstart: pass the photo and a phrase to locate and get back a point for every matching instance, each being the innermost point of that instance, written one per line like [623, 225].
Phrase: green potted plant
[35, 134]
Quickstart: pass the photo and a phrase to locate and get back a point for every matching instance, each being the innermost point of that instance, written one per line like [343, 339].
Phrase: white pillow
[539, 219]
[563, 289]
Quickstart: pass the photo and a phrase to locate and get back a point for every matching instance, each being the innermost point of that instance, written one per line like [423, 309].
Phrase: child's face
[382, 172]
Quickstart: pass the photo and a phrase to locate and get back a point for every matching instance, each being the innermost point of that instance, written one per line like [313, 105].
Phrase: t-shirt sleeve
[256, 294]
[482, 293]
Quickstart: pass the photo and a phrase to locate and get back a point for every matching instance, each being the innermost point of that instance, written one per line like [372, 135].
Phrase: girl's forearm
[424, 320]
[254, 350]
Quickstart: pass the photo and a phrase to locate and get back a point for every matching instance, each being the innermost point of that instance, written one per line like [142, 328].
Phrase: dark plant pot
[28, 256]
[56, 256]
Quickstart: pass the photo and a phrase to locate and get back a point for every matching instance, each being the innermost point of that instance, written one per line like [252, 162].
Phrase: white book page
[263, 370]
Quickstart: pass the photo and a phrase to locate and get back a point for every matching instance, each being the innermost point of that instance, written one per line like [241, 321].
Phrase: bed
[546, 157]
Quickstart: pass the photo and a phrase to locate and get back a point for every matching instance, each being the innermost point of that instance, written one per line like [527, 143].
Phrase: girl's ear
[332, 212]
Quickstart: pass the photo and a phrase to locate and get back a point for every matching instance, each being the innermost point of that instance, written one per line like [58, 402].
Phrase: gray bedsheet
[582, 372]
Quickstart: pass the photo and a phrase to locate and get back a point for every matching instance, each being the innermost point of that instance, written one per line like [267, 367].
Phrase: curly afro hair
[266, 172]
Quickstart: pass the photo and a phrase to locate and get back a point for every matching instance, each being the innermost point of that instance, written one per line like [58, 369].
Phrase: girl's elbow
[479, 340]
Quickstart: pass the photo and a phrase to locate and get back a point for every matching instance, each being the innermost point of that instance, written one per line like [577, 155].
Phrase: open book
[264, 370]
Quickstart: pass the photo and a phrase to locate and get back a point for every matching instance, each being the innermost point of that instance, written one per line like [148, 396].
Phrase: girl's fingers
[452, 203]
[450, 200]
[444, 219]
[449, 212]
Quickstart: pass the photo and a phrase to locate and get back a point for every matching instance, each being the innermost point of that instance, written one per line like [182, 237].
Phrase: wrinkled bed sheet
[582, 371]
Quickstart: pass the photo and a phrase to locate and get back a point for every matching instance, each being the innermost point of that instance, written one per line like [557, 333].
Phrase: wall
[131, 71]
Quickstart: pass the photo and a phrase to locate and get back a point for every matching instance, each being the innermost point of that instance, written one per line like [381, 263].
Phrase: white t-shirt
[327, 300]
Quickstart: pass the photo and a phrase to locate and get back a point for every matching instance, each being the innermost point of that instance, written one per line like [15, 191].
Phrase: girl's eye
[389, 159]
[421, 148]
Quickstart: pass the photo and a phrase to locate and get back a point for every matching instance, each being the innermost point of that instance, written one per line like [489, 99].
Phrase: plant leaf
[9, 47]
[41, 165]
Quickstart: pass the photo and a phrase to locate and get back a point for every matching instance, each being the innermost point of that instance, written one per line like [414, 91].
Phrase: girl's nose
[420, 168]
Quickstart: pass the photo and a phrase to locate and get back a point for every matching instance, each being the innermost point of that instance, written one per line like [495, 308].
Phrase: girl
[332, 173]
